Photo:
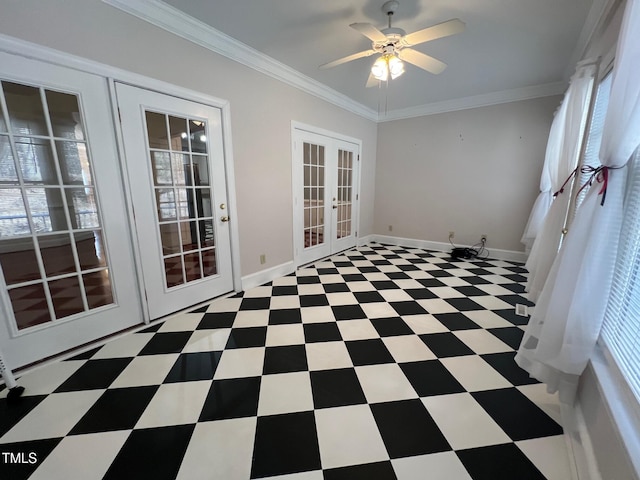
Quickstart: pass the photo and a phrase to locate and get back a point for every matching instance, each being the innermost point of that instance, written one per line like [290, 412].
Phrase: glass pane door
[51, 237]
[345, 193]
[314, 194]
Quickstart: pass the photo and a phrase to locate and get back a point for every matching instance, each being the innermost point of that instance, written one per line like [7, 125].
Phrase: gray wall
[473, 171]
[262, 108]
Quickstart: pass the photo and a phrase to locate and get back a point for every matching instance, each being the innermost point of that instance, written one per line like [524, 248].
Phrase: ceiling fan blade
[372, 81]
[421, 60]
[369, 31]
[444, 29]
[349, 58]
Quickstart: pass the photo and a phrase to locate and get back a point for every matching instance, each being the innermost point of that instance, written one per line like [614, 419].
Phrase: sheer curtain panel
[567, 320]
[574, 108]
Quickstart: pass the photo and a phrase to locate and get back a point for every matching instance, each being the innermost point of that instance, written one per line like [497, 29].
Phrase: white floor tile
[225, 305]
[493, 289]
[464, 423]
[207, 340]
[331, 279]
[175, 404]
[481, 341]
[396, 295]
[357, 330]
[549, 455]
[378, 310]
[437, 466]
[315, 475]
[421, 324]
[408, 348]
[54, 417]
[81, 457]
[252, 318]
[453, 281]
[240, 362]
[317, 314]
[182, 322]
[127, 346]
[327, 356]
[376, 276]
[348, 436]
[220, 449]
[384, 383]
[408, 284]
[361, 286]
[446, 292]
[497, 279]
[474, 373]
[311, 289]
[261, 291]
[47, 378]
[290, 334]
[341, 298]
[146, 370]
[285, 281]
[488, 319]
[284, 301]
[285, 393]
[547, 402]
[492, 303]
[437, 305]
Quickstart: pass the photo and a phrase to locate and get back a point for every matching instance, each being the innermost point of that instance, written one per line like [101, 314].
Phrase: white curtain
[566, 322]
[545, 247]
[549, 172]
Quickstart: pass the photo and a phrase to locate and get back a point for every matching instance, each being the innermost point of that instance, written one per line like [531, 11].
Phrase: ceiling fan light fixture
[386, 66]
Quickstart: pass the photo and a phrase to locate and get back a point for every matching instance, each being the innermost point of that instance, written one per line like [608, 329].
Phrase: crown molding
[475, 101]
[179, 23]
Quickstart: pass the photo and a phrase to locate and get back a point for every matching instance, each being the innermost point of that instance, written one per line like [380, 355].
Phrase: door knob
[224, 219]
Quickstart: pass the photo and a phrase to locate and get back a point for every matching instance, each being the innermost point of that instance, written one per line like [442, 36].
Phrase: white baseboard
[494, 253]
[579, 446]
[365, 240]
[267, 275]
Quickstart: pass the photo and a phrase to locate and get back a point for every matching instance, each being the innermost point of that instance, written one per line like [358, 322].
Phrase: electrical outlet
[452, 234]
[263, 259]
[483, 237]
[391, 228]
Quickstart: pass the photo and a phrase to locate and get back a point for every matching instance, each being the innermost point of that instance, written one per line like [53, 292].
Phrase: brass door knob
[224, 219]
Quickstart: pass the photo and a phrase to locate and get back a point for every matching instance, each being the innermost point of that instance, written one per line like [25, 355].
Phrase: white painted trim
[179, 23]
[264, 276]
[475, 101]
[365, 240]
[494, 253]
[581, 455]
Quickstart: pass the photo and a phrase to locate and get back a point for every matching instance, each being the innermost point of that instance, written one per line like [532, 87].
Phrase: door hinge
[357, 196]
[119, 115]
[358, 157]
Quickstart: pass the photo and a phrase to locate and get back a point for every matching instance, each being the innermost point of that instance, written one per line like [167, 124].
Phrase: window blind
[621, 326]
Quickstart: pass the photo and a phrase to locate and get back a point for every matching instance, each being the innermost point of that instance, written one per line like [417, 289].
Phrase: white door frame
[112, 74]
[298, 128]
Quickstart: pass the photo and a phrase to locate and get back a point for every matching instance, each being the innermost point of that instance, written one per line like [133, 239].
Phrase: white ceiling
[508, 45]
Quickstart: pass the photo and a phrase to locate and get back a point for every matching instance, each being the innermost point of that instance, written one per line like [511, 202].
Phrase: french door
[326, 173]
[66, 262]
[175, 166]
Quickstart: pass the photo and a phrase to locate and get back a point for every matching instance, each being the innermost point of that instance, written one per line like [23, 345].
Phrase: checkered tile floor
[382, 363]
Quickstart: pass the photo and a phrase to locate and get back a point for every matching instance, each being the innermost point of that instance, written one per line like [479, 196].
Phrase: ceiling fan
[393, 44]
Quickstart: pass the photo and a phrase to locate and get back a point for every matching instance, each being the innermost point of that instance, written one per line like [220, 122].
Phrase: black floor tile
[514, 287]
[398, 276]
[258, 303]
[508, 368]
[445, 345]
[117, 409]
[348, 312]
[408, 308]
[290, 358]
[407, 429]
[95, 374]
[476, 280]
[385, 285]
[285, 316]
[498, 462]
[430, 377]
[456, 321]
[367, 471]
[431, 282]
[231, 398]
[369, 297]
[285, 444]
[464, 304]
[247, 337]
[12, 413]
[327, 271]
[152, 453]
[313, 300]
[421, 293]
[509, 315]
[27, 455]
[336, 388]
[191, 367]
[90, 353]
[202, 309]
[515, 299]
[512, 336]
[308, 279]
[170, 342]
[369, 352]
[390, 327]
[335, 287]
[440, 273]
[470, 291]
[354, 277]
[321, 332]
[216, 320]
[284, 290]
[516, 278]
[518, 416]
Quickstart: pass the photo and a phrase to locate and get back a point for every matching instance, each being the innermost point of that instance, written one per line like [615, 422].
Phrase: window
[621, 327]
